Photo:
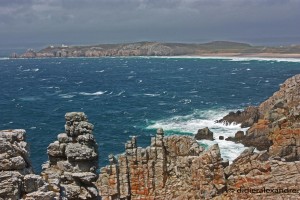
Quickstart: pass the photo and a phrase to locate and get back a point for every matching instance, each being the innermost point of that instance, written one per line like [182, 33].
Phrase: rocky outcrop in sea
[172, 167]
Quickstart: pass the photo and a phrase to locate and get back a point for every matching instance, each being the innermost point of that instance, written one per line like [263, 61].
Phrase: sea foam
[200, 119]
[92, 94]
[230, 58]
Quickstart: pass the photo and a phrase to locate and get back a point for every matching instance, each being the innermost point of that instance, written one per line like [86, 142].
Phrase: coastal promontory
[216, 48]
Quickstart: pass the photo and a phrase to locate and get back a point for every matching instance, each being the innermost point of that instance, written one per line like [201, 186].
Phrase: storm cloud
[43, 22]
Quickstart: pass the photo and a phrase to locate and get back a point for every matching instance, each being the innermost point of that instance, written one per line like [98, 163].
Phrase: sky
[38, 23]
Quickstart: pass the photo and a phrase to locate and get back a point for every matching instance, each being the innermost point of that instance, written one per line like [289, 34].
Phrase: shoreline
[229, 56]
[252, 55]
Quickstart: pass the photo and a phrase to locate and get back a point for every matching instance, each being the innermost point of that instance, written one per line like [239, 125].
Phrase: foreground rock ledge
[173, 167]
[70, 172]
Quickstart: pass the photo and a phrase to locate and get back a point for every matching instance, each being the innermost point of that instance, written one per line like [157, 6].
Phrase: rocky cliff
[275, 124]
[173, 167]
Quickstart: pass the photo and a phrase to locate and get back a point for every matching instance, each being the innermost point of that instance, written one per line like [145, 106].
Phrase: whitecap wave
[238, 59]
[152, 95]
[4, 58]
[92, 94]
[201, 119]
[185, 101]
[66, 96]
[230, 58]
[30, 70]
[120, 93]
[31, 98]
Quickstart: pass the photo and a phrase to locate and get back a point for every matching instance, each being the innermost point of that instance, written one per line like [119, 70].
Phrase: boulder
[257, 136]
[32, 183]
[239, 135]
[10, 185]
[204, 134]
[79, 152]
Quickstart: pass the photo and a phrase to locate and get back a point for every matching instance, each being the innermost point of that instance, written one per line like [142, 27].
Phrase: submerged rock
[238, 137]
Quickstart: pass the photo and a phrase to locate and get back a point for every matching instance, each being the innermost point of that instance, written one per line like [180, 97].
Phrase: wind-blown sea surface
[133, 96]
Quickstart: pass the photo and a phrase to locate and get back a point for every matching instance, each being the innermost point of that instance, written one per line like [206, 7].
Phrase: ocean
[133, 96]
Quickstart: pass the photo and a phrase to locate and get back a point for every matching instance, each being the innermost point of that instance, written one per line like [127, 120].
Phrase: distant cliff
[222, 48]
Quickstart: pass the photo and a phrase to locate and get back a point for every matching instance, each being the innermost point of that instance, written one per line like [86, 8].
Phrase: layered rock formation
[14, 163]
[281, 116]
[256, 176]
[275, 123]
[17, 180]
[275, 173]
[278, 129]
[73, 160]
[173, 167]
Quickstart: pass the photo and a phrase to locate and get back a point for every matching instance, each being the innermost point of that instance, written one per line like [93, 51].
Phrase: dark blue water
[127, 96]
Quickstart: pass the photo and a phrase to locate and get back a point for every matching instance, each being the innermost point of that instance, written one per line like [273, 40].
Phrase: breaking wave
[200, 119]
[92, 94]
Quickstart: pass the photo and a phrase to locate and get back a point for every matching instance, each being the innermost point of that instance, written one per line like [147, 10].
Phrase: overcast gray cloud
[42, 22]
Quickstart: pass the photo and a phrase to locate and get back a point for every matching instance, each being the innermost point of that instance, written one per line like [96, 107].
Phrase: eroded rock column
[73, 160]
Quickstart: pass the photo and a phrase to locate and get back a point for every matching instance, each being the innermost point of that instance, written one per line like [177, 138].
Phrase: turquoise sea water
[133, 96]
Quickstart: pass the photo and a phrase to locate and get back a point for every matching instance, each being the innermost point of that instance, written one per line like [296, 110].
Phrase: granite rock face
[14, 163]
[173, 167]
[281, 113]
[278, 129]
[257, 176]
[275, 124]
[73, 160]
[274, 173]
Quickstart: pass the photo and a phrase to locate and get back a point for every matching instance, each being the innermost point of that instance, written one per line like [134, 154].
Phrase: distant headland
[216, 48]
